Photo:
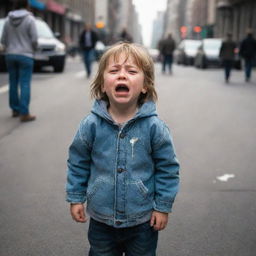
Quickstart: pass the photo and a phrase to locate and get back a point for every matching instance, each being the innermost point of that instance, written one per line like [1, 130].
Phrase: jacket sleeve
[166, 170]
[78, 163]
[33, 33]
[81, 41]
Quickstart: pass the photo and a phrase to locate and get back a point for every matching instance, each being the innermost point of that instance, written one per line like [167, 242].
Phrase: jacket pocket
[100, 197]
[142, 188]
[92, 190]
[139, 198]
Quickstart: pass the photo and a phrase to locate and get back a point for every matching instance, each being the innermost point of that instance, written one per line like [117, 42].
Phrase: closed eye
[133, 71]
[113, 70]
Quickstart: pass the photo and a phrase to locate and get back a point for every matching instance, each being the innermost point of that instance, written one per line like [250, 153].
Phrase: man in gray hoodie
[20, 41]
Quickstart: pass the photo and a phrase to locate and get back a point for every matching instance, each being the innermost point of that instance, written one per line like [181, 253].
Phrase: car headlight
[60, 48]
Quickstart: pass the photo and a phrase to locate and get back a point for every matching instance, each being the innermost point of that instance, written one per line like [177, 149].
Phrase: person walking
[248, 52]
[122, 159]
[227, 55]
[87, 41]
[19, 39]
[125, 36]
[166, 47]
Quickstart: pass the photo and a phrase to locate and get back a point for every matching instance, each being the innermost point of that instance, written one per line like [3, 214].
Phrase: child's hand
[159, 220]
[77, 212]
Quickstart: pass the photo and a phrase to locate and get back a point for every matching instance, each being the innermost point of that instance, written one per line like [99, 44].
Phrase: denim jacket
[123, 172]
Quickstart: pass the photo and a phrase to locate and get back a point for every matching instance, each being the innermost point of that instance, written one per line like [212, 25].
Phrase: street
[213, 126]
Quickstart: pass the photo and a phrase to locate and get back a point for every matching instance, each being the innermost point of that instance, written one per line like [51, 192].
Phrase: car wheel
[204, 63]
[37, 68]
[3, 67]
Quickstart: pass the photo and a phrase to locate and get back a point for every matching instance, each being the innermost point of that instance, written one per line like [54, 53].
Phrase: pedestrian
[125, 36]
[248, 53]
[166, 47]
[159, 47]
[87, 41]
[19, 39]
[122, 159]
[227, 55]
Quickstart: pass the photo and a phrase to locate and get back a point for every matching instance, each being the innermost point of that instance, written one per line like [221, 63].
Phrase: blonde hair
[141, 58]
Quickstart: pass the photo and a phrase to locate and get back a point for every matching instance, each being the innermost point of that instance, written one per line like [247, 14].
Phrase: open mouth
[122, 88]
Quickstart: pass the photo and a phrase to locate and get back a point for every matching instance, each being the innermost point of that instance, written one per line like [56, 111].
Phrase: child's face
[123, 81]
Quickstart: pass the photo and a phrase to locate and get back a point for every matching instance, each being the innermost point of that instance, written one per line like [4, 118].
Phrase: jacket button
[122, 135]
[120, 170]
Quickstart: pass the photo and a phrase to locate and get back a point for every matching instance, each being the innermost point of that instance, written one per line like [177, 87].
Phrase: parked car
[155, 54]
[186, 51]
[100, 48]
[50, 50]
[208, 54]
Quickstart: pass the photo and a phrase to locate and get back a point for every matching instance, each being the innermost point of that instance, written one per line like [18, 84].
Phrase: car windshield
[212, 45]
[192, 45]
[43, 29]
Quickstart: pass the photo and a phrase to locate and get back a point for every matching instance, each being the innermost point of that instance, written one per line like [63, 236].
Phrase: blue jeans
[167, 61]
[20, 70]
[248, 63]
[227, 68]
[88, 56]
[140, 240]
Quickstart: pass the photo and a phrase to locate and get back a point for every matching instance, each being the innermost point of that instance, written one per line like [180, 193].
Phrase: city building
[67, 17]
[235, 16]
[158, 29]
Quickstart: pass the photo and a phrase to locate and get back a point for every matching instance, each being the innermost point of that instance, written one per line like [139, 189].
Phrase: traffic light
[197, 29]
[183, 31]
[100, 24]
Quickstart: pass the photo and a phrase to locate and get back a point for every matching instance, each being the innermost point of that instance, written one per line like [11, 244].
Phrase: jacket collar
[147, 109]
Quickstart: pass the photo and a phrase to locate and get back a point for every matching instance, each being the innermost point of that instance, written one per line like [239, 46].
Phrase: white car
[208, 54]
[155, 54]
[186, 51]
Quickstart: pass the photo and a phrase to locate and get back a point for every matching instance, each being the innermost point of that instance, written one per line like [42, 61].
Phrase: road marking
[80, 74]
[4, 89]
[225, 177]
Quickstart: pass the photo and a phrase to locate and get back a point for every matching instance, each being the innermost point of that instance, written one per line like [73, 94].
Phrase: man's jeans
[248, 68]
[88, 60]
[227, 68]
[20, 70]
[167, 61]
[140, 240]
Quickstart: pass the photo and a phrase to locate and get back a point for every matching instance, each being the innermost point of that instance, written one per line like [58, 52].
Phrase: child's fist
[77, 212]
[159, 220]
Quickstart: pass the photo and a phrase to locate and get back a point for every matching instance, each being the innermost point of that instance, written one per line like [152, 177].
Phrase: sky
[147, 10]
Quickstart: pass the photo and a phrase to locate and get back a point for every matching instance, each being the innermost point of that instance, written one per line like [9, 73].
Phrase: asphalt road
[213, 125]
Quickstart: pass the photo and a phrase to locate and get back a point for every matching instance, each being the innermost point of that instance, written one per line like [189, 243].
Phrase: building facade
[158, 29]
[235, 16]
[210, 18]
[67, 17]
